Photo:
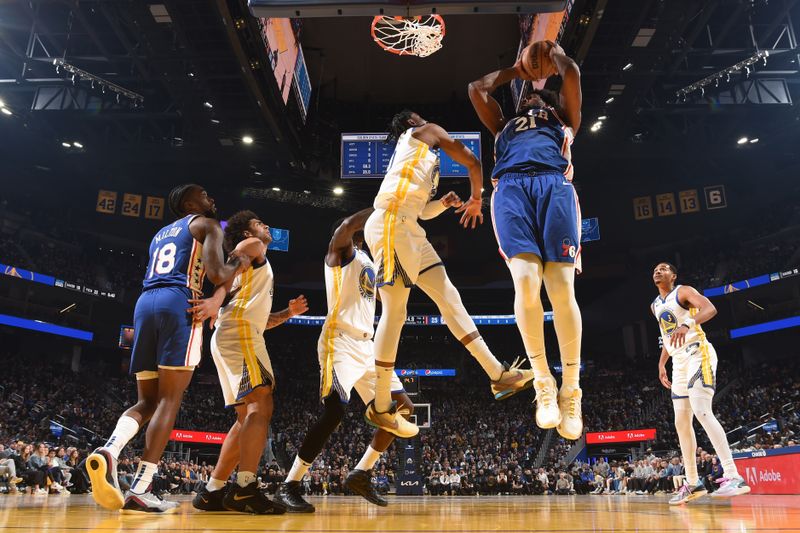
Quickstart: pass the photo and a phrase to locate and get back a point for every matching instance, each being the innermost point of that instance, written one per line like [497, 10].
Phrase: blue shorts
[537, 214]
[165, 335]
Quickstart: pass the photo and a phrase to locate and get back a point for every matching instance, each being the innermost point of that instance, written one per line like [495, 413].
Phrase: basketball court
[475, 514]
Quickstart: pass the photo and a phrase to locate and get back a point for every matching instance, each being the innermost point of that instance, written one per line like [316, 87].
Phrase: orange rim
[375, 20]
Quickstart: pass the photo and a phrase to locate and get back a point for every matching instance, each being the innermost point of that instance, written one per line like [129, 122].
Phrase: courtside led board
[366, 155]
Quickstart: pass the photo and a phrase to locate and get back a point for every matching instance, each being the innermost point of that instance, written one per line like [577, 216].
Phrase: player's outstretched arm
[209, 232]
[341, 245]
[297, 306]
[434, 208]
[571, 97]
[434, 135]
[480, 94]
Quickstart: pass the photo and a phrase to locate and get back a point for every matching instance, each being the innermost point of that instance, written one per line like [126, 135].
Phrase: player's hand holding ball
[536, 61]
[451, 199]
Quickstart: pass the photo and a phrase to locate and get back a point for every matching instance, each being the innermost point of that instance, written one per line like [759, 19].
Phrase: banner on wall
[771, 471]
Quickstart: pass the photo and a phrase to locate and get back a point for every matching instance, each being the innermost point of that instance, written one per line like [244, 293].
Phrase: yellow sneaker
[390, 421]
[569, 403]
[548, 414]
[513, 380]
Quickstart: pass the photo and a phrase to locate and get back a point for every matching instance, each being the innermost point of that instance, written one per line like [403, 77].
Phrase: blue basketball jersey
[537, 141]
[175, 258]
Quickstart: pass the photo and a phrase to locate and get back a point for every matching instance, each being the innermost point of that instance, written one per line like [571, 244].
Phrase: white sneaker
[734, 486]
[147, 503]
[40, 492]
[548, 414]
[569, 403]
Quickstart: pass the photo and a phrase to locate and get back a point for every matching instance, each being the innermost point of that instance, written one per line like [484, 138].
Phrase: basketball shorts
[537, 214]
[242, 361]
[694, 368]
[164, 334]
[346, 363]
[399, 246]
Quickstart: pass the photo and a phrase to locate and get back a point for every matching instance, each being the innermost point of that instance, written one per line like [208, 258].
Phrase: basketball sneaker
[102, 469]
[360, 482]
[147, 503]
[290, 495]
[734, 486]
[548, 415]
[250, 500]
[688, 493]
[513, 380]
[206, 500]
[569, 403]
[390, 421]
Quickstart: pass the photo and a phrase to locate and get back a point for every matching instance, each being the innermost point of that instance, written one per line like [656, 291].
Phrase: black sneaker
[209, 501]
[290, 494]
[250, 500]
[359, 481]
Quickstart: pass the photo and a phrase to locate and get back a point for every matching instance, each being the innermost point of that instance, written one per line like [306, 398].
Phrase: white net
[419, 36]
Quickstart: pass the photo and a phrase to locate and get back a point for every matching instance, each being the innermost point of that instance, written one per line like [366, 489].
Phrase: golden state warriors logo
[668, 322]
[366, 283]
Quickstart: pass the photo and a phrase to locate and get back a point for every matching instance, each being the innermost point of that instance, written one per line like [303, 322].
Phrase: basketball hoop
[416, 36]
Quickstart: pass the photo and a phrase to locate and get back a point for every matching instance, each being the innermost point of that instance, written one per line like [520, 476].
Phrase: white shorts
[345, 363]
[399, 247]
[242, 362]
[694, 368]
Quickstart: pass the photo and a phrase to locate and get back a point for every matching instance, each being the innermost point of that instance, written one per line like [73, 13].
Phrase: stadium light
[609, 100]
[753, 141]
[76, 144]
[5, 110]
[276, 189]
[247, 139]
[596, 126]
[602, 117]
[2, 103]
[628, 66]
[66, 145]
[742, 140]
[338, 191]
[208, 105]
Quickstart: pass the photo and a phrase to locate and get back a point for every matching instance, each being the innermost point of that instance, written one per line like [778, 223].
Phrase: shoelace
[515, 367]
[684, 491]
[574, 407]
[547, 395]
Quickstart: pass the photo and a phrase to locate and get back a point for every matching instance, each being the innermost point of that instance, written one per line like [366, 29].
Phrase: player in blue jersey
[536, 218]
[167, 343]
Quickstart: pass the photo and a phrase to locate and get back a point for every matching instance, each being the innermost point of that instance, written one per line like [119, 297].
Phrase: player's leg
[693, 488]
[101, 465]
[381, 412]
[506, 381]
[701, 395]
[559, 280]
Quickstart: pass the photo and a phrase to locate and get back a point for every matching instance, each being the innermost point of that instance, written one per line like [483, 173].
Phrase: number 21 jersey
[175, 258]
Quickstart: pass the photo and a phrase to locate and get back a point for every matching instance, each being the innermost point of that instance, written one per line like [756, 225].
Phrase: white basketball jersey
[412, 177]
[351, 297]
[251, 301]
[670, 314]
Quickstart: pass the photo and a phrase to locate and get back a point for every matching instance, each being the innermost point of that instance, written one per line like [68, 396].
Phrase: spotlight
[276, 189]
[596, 126]
[338, 191]
[66, 145]
[247, 139]
[5, 110]
[742, 140]
[753, 141]
[214, 121]
[191, 74]
[2, 103]
[306, 192]
[609, 100]
[257, 173]
[208, 105]
[76, 144]
[602, 117]
[628, 66]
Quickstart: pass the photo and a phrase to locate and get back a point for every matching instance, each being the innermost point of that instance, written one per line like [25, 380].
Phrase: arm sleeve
[432, 209]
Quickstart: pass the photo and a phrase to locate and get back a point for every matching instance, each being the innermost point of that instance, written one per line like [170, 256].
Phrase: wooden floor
[413, 514]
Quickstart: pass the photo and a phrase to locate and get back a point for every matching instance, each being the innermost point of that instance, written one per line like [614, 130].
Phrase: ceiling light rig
[81, 75]
[746, 65]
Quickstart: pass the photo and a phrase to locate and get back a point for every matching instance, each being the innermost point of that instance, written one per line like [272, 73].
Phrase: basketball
[536, 60]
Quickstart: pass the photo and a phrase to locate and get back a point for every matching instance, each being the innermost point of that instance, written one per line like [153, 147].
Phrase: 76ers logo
[668, 322]
[568, 249]
[366, 283]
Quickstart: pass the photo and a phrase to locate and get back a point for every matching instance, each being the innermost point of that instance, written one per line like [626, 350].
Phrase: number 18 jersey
[175, 258]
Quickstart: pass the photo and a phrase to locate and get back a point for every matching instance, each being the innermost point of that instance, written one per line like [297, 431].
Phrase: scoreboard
[365, 155]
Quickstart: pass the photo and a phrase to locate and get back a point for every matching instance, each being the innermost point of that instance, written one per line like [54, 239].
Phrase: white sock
[214, 484]
[244, 478]
[484, 356]
[701, 406]
[559, 279]
[371, 456]
[298, 470]
[526, 271]
[383, 387]
[143, 478]
[126, 429]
